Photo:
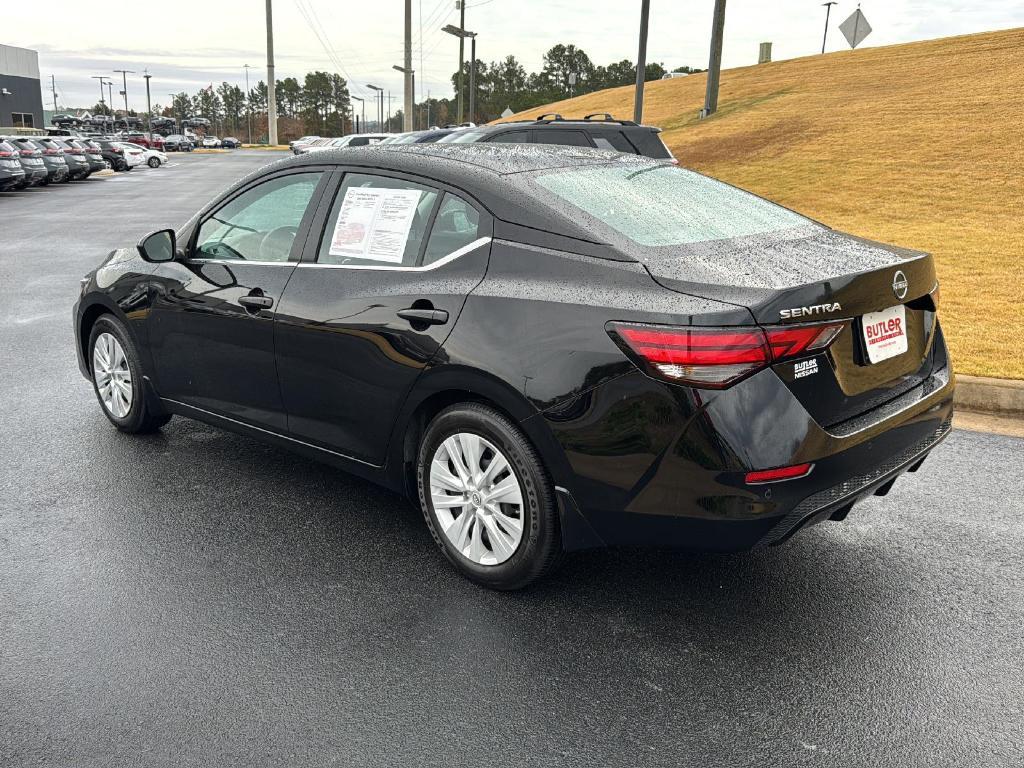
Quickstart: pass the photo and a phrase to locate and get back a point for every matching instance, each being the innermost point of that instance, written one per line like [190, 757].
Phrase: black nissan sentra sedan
[550, 349]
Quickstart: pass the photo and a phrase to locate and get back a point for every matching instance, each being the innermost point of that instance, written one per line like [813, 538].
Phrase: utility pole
[472, 79]
[149, 105]
[641, 63]
[388, 128]
[828, 10]
[248, 105]
[124, 82]
[407, 104]
[110, 100]
[408, 121]
[462, 33]
[271, 82]
[462, 51]
[428, 108]
[714, 60]
[53, 87]
[174, 114]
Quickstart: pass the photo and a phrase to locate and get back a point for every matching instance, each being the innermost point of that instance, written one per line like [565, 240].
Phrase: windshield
[663, 205]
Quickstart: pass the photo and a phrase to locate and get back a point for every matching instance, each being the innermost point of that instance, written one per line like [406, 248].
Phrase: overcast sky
[365, 38]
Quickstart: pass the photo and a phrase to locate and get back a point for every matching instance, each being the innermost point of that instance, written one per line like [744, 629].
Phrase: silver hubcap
[112, 374]
[477, 499]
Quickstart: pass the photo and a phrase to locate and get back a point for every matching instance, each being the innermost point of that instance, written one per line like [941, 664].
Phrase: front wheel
[117, 379]
[487, 498]
[153, 162]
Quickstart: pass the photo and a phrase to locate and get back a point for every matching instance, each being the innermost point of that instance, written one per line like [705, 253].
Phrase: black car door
[212, 318]
[383, 279]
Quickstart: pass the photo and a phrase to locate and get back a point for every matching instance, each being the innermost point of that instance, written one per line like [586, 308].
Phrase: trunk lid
[811, 275]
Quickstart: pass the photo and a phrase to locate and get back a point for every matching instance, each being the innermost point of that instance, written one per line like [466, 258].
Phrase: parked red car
[157, 142]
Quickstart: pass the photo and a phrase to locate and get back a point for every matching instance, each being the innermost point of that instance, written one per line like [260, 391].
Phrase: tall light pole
[110, 100]
[53, 87]
[462, 34]
[149, 105]
[124, 84]
[714, 60]
[407, 102]
[380, 104]
[641, 63]
[362, 102]
[248, 105]
[174, 114]
[271, 82]
[103, 103]
[828, 10]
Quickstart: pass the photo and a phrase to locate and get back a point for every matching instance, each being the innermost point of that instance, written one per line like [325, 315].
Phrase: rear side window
[650, 144]
[614, 140]
[456, 225]
[563, 137]
[512, 137]
[663, 205]
[377, 221]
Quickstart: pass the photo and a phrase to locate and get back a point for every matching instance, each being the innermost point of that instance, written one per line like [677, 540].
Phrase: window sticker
[374, 223]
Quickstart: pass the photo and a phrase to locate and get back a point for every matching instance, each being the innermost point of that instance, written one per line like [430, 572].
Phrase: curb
[980, 393]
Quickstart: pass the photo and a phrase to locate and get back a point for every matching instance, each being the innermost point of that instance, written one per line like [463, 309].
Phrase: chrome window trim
[236, 262]
[480, 241]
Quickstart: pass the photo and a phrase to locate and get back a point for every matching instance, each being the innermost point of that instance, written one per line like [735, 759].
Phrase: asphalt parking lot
[195, 598]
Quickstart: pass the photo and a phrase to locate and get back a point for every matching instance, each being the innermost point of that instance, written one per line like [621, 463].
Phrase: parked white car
[352, 140]
[133, 153]
[154, 158]
[211, 142]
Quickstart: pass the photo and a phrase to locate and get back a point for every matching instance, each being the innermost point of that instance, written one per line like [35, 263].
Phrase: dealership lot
[197, 598]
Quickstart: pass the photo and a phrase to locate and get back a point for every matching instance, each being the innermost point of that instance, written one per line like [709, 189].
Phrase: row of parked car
[28, 161]
[599, 130]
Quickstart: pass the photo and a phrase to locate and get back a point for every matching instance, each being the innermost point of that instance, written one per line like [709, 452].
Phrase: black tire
[540, 549]
[153, 162]
[142, 417]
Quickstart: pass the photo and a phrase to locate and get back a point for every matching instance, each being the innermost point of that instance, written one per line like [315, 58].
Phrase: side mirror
[158, 246]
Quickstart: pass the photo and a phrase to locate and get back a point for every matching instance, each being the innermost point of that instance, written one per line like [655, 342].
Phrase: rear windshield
[463, 137]
[663, 205]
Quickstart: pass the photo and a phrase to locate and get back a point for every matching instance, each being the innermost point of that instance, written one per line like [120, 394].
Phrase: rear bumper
[654, 465]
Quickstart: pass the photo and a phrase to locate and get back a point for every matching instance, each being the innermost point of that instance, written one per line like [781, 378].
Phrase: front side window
[663, 205]
[261, 223]
[456, 225]
[377, 221]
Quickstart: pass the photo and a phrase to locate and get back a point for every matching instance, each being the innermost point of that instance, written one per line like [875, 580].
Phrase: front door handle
[424, 316]
[256, 302]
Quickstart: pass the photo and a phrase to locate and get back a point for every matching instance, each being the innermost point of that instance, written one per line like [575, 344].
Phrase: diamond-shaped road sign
[855, 28]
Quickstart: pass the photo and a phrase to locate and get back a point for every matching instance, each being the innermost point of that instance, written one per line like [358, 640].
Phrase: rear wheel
[487, 498]
[117, 379]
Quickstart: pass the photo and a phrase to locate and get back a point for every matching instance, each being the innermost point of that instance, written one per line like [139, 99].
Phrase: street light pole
[714, 60]
[248, 105]
[828, 10]
[462, 34]
[380, 104]
[641, 63]
[271, 82]
[103, 104]
[362, 103]
[149, 106]
[124, 84]
[472, 79]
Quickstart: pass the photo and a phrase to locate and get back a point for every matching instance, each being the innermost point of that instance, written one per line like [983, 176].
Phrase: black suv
[599, 130]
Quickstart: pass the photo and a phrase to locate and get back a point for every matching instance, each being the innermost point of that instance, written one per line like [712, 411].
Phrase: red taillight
[5, 153]
[775, 475]
[53, 152]
[118, 150]
[717, 357]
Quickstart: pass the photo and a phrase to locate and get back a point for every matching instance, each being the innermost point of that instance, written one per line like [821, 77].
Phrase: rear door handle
[425, 316]
[256, 302]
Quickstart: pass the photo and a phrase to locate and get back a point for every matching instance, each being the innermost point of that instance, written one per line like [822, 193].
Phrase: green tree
[317, 96]
[289, 97]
